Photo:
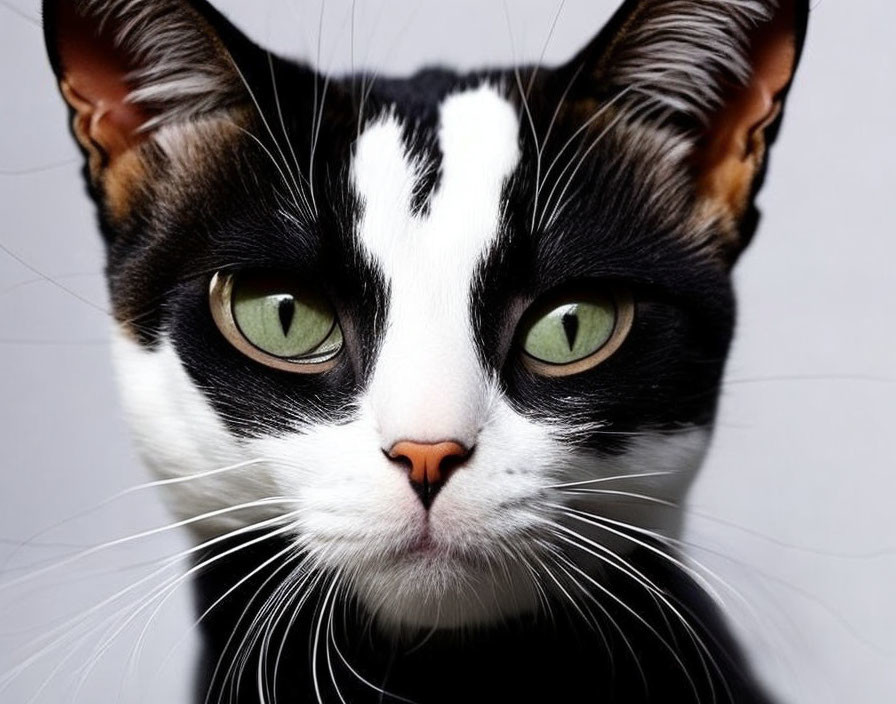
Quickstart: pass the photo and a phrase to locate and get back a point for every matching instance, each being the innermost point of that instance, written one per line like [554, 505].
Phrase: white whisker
[66, 628]
[273, 501]
[640, 475]
[614, 559]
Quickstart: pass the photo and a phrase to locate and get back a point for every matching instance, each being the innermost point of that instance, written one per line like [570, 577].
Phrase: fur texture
[434, 214]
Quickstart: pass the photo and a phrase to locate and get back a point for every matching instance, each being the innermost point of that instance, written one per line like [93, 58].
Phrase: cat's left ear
[718, 69]
[127, 67]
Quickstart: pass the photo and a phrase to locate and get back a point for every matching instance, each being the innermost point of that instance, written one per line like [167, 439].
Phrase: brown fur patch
[729, 164]
[96, 155]
[121, 173]
[712, 215]
[121, 181]
[116, 171]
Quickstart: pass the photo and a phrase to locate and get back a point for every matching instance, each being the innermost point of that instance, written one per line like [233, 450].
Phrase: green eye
[572, 333]
[276, 321]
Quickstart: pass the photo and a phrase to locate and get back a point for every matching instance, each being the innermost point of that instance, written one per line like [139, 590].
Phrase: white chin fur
[444, 593]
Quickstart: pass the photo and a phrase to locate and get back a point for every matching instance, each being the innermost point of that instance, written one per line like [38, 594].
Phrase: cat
[426, 365]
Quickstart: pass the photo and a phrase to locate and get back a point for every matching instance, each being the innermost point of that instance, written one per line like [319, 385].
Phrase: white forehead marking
[428, 383]
[478, 138]
[384, 178]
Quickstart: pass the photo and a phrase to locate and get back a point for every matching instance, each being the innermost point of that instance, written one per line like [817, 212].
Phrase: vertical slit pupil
[570, 323]
[286, 310]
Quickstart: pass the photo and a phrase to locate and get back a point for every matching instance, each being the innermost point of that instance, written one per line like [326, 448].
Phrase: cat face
[426, 328]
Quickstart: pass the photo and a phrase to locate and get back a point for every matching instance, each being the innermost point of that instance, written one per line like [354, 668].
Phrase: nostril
[451, 462]
[400, 459]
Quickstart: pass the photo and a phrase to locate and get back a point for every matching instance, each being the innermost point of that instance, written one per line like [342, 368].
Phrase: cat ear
[126, 67]
[718, 69]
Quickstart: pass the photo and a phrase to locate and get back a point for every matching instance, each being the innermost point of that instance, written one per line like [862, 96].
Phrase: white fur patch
[428, 385]
[178, 434]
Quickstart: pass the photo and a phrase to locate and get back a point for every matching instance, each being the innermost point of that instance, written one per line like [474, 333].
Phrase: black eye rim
[624, 304]
[221, 304]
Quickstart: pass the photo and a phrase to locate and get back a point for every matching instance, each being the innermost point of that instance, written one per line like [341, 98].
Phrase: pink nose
[429, 464]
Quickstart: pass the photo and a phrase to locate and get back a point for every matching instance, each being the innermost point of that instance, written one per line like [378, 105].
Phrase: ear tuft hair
[175, 63]
[178, 67]
[680, 53]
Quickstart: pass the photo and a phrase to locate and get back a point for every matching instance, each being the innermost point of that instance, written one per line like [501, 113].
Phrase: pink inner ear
[733, 148]
[774, 59]
[754, 106]
[94, 77]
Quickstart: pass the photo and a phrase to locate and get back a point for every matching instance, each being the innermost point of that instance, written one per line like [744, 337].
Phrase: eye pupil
[570, 322]
[286, 310]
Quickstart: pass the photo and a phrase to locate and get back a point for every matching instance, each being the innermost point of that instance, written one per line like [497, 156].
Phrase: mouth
[425, 550]
[430, 583]
[424, 546]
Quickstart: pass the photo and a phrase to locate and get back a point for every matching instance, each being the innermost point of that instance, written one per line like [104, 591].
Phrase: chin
[431, 589]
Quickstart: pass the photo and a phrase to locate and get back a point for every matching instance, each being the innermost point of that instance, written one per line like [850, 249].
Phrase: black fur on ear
[716, 71]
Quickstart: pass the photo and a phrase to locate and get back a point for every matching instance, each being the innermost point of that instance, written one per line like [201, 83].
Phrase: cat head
[446, 334]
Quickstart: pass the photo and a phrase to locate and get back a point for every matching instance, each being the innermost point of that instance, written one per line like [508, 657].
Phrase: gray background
[794, 508]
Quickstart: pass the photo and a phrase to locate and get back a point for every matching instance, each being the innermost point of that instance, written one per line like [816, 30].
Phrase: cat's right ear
[128, 67]
[717, 73]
